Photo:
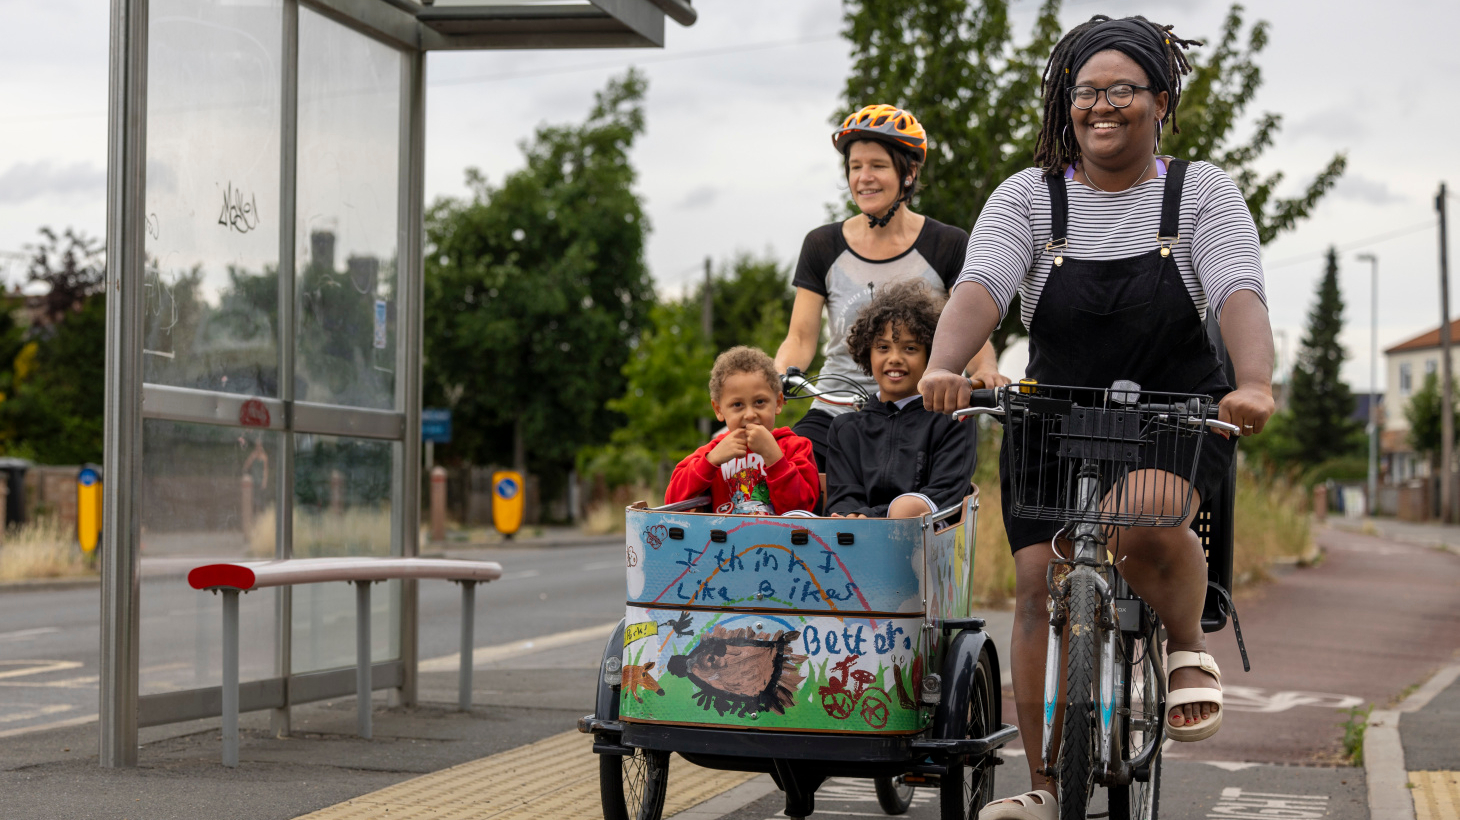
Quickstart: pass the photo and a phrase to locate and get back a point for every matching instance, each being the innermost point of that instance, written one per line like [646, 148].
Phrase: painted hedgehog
[741, 671]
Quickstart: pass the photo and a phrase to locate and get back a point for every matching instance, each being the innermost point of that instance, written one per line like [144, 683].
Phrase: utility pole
[1373, 382]
[707, 326]
[1447, 411]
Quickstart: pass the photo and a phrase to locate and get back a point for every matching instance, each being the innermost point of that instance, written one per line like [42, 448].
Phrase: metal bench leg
[468, 624]
[230, 677]
[362, 657]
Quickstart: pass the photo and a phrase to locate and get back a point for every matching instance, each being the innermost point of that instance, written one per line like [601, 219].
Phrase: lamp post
[1373, 381]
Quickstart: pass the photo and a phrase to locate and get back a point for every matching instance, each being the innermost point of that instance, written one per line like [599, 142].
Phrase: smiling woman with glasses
[1117, 255]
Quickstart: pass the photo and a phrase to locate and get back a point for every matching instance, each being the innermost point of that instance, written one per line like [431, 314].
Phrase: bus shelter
[264, 273]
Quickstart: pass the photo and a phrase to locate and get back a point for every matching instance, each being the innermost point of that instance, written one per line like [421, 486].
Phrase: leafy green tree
[1425, 414]
[54, 412]
[535, 290]
[1320, 403]
[955, 65]
[1214, 99]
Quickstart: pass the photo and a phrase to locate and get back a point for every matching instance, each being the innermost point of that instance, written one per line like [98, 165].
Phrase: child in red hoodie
[754, 468]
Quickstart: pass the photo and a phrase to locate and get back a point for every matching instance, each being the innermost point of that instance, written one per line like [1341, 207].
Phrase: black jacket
[882, 452]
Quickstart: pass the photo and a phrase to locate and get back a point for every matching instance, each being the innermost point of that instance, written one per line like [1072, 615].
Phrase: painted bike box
[788, 624]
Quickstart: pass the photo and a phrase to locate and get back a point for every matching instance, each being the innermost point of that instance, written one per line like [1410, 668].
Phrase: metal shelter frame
[412, 28]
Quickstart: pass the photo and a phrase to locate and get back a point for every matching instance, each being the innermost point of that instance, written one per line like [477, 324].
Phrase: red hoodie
[745, 485]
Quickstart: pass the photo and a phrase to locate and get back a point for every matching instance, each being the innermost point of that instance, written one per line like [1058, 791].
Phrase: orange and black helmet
[885, 123]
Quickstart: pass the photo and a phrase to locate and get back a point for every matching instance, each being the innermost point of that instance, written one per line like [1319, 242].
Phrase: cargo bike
[805, 648]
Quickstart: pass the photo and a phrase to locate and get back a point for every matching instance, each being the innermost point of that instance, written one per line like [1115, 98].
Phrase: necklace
[1091, 182]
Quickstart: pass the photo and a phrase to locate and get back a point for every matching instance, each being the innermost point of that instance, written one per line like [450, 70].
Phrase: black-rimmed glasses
[1119, 95]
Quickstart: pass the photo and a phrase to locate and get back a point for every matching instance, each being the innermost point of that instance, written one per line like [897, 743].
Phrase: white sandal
[1035, 805]
[1181, 697]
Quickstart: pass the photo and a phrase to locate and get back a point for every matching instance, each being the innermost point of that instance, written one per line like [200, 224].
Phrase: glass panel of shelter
[212, 492]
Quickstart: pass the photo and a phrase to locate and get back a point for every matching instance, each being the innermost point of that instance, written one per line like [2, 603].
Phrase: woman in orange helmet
[883, 149]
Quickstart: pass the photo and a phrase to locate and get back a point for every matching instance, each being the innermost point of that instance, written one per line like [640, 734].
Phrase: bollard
[1320, 503]
[438, 504]
[245, 504]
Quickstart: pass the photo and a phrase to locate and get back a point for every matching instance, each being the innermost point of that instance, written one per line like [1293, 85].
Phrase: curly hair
[909, 306]
[743, 359]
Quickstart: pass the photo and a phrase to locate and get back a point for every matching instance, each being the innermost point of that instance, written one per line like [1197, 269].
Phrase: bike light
[613, 671]
[932, 689]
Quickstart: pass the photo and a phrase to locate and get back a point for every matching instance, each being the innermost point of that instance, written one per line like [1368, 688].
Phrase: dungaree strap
[1059, 211]
[1171, 201]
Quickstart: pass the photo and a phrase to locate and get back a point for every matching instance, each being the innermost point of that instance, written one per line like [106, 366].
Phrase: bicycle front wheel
[1076, 765]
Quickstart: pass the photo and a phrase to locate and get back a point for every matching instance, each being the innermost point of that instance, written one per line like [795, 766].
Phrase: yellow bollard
[88, 507]
[507, 500]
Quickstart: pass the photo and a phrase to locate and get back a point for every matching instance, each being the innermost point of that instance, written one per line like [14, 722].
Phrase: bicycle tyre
[969, 784]
[1076, 762]
[893, 795]
[633, 787]
[1144, 696]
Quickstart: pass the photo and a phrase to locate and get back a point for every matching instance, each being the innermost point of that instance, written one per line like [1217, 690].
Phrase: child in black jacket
[895, 459]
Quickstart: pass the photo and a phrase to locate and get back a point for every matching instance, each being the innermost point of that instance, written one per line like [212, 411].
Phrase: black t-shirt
[831, 269]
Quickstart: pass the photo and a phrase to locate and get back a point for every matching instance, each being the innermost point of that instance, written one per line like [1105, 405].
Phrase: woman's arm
[984, 367]
[964, 328]
[804, 334]
[1248, 337]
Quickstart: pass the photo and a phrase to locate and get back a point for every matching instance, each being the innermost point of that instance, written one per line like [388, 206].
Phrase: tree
[1321, 404]
[535, 290]
[668, 373]
[1425, 414]
[954, 64]
[1214, 98]
[72, 266]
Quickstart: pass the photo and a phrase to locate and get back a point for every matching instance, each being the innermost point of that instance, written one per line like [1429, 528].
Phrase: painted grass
[44, 548]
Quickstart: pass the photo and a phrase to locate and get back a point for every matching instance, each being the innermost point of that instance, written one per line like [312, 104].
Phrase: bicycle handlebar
[986, 402]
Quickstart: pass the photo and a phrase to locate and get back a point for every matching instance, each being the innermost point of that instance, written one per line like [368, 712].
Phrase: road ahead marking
[483, 655]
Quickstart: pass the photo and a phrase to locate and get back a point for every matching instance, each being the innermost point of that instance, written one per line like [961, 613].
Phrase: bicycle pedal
[920, 779]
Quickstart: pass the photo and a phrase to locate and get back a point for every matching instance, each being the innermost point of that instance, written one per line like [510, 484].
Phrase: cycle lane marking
[1239, 804]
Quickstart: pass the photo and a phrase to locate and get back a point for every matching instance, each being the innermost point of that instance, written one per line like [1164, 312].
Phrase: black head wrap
[1137, 39]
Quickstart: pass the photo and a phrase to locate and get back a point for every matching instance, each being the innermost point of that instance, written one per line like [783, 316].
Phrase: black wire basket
[1142, 447]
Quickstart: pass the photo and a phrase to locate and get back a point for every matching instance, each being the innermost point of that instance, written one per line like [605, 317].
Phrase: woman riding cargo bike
[842, 264]
[1117, 254]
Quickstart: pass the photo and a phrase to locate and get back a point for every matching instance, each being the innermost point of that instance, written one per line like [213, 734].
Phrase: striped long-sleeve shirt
[1218, 253]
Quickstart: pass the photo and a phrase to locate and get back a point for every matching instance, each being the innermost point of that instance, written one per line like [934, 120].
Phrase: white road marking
[483, 655]
[1253, 699]
[37, 667]
[1236, 804]
[1229, 765]
[64, 683]
[58, 724]
[526, 573]
[51, 709]
[27, 634]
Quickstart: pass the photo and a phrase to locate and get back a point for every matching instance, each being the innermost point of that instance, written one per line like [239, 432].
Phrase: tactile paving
[1436, 795]
[556, 777]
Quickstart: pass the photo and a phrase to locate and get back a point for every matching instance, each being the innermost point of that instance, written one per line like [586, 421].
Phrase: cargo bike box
[802, 647]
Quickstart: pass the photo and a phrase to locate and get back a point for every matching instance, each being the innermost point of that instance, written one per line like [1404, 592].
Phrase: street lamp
[1373, 382]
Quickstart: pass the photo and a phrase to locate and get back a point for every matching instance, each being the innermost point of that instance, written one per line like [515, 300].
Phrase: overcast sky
[737, 155]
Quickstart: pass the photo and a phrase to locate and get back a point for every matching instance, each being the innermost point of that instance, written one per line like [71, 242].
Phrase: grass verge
[43, 549]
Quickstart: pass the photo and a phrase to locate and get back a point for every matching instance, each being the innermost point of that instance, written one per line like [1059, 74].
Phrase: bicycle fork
[1109, 699]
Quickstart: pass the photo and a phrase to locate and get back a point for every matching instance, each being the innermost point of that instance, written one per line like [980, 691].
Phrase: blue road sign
[436, 425]
[507, 489]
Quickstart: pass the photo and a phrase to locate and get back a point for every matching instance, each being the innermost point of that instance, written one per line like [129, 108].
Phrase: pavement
[1375, 623]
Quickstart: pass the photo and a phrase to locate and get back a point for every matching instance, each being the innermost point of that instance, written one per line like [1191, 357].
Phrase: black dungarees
[1132, 318]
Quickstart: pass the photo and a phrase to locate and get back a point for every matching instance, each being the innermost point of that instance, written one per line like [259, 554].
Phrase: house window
[1431, 365]
[1406, 379]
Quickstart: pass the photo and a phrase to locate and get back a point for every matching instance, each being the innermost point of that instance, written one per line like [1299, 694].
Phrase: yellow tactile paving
[1436, 795]
[553, 778]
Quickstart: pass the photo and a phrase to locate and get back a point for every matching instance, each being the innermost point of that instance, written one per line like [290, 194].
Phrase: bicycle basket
[1054, 435]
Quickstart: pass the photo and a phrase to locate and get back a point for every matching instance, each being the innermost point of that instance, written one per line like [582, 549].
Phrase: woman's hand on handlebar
[1247, 407]
[944, 391]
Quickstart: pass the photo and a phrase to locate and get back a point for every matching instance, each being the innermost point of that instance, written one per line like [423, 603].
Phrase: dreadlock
[1056, 147]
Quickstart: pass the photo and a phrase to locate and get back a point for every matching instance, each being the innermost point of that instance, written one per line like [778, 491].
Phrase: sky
[737, 155]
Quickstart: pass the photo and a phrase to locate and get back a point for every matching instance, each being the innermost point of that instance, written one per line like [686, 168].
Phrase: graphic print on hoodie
[749, 492]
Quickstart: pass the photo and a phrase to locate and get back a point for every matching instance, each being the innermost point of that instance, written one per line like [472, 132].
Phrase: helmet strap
[881, 221]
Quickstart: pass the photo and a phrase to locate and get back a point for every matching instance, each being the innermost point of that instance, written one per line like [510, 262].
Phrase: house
[1406, 365]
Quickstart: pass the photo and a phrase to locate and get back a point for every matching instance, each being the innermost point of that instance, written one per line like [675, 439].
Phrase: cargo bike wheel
[969, 783]
[894, 794]
[633, 786]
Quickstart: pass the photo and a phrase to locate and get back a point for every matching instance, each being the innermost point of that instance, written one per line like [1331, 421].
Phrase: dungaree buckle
[1167, 242]
[1051, 247]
